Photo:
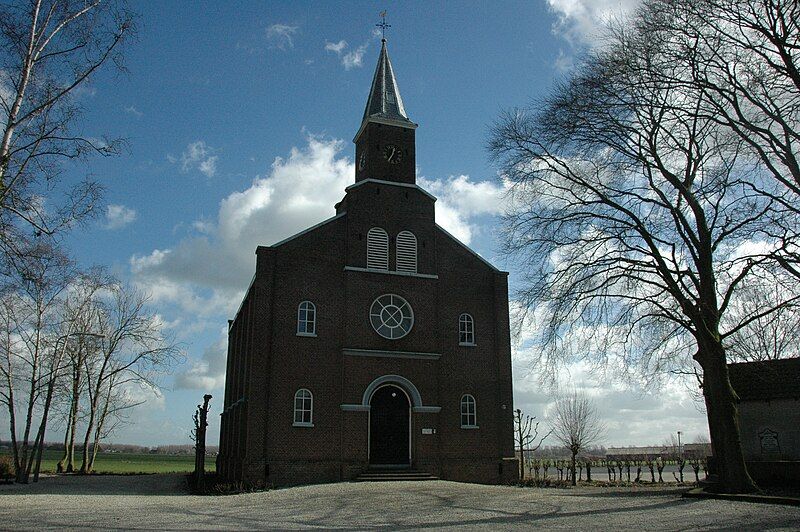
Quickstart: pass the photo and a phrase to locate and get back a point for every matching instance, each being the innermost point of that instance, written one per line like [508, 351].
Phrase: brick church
[373, 340]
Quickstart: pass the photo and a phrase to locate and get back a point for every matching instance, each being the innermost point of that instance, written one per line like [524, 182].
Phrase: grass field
[128, 463]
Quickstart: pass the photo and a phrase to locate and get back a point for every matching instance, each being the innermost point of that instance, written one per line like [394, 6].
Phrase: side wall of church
[308, 268]
[467, 285]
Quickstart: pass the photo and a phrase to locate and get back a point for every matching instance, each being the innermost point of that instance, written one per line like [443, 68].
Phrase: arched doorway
[389, 427]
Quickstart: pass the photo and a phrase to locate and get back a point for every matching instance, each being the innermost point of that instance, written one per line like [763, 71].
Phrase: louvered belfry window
[406, 252]
[377, 249]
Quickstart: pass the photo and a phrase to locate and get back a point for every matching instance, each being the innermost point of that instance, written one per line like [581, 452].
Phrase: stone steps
[394, 475]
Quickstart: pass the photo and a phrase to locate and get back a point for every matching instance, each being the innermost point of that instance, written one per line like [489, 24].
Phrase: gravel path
[161, 501]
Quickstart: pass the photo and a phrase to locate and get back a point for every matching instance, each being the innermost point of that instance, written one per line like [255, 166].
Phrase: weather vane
[383, 25]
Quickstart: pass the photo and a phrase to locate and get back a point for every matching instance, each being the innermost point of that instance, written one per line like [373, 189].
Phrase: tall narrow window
[377, 249]
[406, 252]
[468, 416]
[303, 408]
[306, 319]
[466, 330]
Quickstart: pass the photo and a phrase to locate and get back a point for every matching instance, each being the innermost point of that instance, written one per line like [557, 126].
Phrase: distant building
[769, 408]
[373, 339]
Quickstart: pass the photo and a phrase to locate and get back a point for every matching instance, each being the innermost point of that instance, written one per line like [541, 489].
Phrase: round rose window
[391, 316]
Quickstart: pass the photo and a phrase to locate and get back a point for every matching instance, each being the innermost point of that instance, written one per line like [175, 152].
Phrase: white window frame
[377, 249]
[405, 249]
[302, 411]
[302, 323]
[466, 400]
[466, 330]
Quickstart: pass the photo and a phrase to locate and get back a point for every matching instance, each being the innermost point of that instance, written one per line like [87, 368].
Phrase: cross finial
[383, 25]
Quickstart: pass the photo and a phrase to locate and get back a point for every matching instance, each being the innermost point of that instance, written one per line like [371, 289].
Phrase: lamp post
[49, 398]
[680, 449]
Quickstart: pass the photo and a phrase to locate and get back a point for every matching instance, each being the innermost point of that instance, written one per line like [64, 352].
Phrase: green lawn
[131, 463]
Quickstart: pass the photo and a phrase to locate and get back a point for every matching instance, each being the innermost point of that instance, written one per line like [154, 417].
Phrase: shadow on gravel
[100, 485]
[601, 492]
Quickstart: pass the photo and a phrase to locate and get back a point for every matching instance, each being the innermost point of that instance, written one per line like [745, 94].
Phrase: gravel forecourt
[162, 502]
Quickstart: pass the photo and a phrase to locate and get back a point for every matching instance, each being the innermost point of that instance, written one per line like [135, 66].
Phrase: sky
[239, 122]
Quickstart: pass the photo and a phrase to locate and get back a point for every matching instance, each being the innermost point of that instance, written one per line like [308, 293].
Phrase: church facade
[374, 339]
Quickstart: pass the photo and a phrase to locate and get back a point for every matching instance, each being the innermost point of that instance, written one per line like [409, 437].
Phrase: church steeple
[385, 141]
[384, 96]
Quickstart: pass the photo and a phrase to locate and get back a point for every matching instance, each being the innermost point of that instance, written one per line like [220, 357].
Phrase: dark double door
[389, 427]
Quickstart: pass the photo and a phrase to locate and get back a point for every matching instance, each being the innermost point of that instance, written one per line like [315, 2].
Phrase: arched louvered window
[303, 408]
[377, 249]
[469, 418]
[466, 330]
[306, 319]
[406, 251]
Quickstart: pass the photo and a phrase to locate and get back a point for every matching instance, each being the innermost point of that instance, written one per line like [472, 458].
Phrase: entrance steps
[394, 475]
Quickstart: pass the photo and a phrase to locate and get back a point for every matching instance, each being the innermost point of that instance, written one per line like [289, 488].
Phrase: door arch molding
[397, 380]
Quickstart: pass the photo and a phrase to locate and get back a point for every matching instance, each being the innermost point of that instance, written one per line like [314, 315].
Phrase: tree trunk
[723, 422]
[85, 466]
[574, 480]
[43, 425]
[73, 414]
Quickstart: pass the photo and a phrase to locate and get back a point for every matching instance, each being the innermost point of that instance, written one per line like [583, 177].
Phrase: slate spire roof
[384, 100]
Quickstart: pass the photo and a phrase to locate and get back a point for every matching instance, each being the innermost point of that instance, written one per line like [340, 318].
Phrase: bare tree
[49, 49]
[745, 57]
[769, 337]
[133, 354]
[526, 435]
[80, 317]
[638, 218]
[31, 359]
[576, 425]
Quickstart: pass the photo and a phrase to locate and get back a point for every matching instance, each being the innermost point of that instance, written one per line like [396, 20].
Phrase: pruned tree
[638, 217]
[527, 437]
[49, 50]
[576, 425]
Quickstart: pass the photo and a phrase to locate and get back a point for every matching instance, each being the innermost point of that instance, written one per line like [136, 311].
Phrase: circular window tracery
[391, 316]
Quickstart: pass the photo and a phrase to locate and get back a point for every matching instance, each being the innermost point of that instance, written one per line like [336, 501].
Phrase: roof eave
[408, 124]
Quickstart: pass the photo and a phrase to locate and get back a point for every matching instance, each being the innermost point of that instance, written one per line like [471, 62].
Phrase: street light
[680, 449]
[50, 387]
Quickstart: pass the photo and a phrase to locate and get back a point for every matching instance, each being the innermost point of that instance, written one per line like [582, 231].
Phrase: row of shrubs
[618, 470]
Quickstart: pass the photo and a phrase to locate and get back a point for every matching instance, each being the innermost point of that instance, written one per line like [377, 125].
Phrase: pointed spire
[384, 96]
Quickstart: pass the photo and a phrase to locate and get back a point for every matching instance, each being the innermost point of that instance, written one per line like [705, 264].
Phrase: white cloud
[133, 111]
[581, 21]
[352, 59]
[197, 156]
[207, 274]
[460, 201]
[336, 47]
[280, 35]
[207, 373]
[118, 216]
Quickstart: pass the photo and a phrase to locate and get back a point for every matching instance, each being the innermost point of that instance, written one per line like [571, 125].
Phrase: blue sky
[239, 120]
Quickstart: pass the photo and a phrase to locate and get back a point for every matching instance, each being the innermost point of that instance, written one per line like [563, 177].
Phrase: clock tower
[385, 140]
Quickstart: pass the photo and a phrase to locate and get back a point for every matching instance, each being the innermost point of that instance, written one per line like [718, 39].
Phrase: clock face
[362, 161]
[392, 154]
[391, 316]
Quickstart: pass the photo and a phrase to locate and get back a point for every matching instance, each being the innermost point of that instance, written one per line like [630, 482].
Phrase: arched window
[466, 330]
[303, 408]
[377, 249]
[406, 252]
[306, 319]
[468, 416]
